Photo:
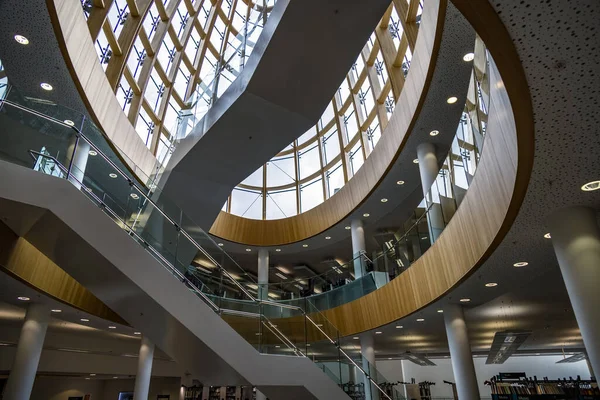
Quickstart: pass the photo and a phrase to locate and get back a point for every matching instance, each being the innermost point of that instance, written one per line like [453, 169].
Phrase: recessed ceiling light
[355, 338]
[69, 122]
[389, 358]
[378, 333]
[491, 284]
[537, 354]
[469, 57]
[220, 244]
[112, 175]
[591, 186]
[134, 196]
[248, 249]
[92, 374]
[277, 250]
[420, 319]
[384, 200]
[400, 183]
[23, 298]
[56, 310]
[137, 333]
[440, 311]
[399, 327]
[424, 238]
[84, 320]
[277, 346]
[547, 235]
[304, 245]
[434, 133]
[465, 300]
[366, 215]
[112, 327]
[452, 100]
[21, 39]
[521, 264]
[347, 228]
[87, 379]
[115, 377]
[46, 86]
[327, 237]
[92, 153]
[416, 161]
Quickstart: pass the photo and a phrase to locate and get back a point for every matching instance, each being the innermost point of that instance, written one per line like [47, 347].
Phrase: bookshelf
[516, 386]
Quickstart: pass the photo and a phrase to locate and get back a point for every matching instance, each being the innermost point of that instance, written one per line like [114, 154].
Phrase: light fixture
[440, 311]
[304, 245]
[384, 200]
[56, 311]
[23, 298]
[327, 237]
[87, 379]
[400, 183]
[21, 39]
[277, 346]
[491, 284]
[355, 338]
[69, 122]
[389, 358]
[84, 320]
[547, 235]
[416, 161]
[248, 250]
[137, 333]
[424, 238]
[452, 100]
[347, 228]
[112, 175]
[465, 300]
[420, 319]
[115, 377]
[92, 153]
[591, 186]
[378, 333]
[399, 327]
[434, 133]
[112, 327]
[504, 345]
[366, 215]
[521, 264]
[279, 274]
[469, 57]
[46, 86]
[92, 374]
[278, 250]
[220, 245]
[134, 196]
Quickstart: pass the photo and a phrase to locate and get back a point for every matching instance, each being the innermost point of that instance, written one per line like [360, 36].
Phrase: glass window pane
[306, 136]
[331, 145]
[356, 158]
[281, 171]
[309, 161]
[255, 179]
[311, 194]
[281, 204]
[246, 203]
[335, 179]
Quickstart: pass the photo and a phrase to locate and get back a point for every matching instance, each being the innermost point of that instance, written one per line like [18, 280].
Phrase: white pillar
[367, 350]
[79, 161]
[27, 357]
[460, 352]
[358, 246]
[144, 372]
[576, 240]
[263, 274]
[428, 168]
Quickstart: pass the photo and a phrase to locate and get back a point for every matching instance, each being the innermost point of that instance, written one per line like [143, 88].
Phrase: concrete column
[263, 274]
[358, 246]
[79, 161]
[27, 357]
[428, 168]
[144, 372]
[367, 350]
[576, 241]
[460, 352]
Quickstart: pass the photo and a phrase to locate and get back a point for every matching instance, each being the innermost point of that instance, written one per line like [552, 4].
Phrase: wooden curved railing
[356, 190]
[490, 205]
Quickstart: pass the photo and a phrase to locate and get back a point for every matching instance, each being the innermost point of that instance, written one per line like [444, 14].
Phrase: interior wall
[61, 388]
[540, 366]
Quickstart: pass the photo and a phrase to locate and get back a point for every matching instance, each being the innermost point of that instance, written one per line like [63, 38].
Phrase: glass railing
[48, 145]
